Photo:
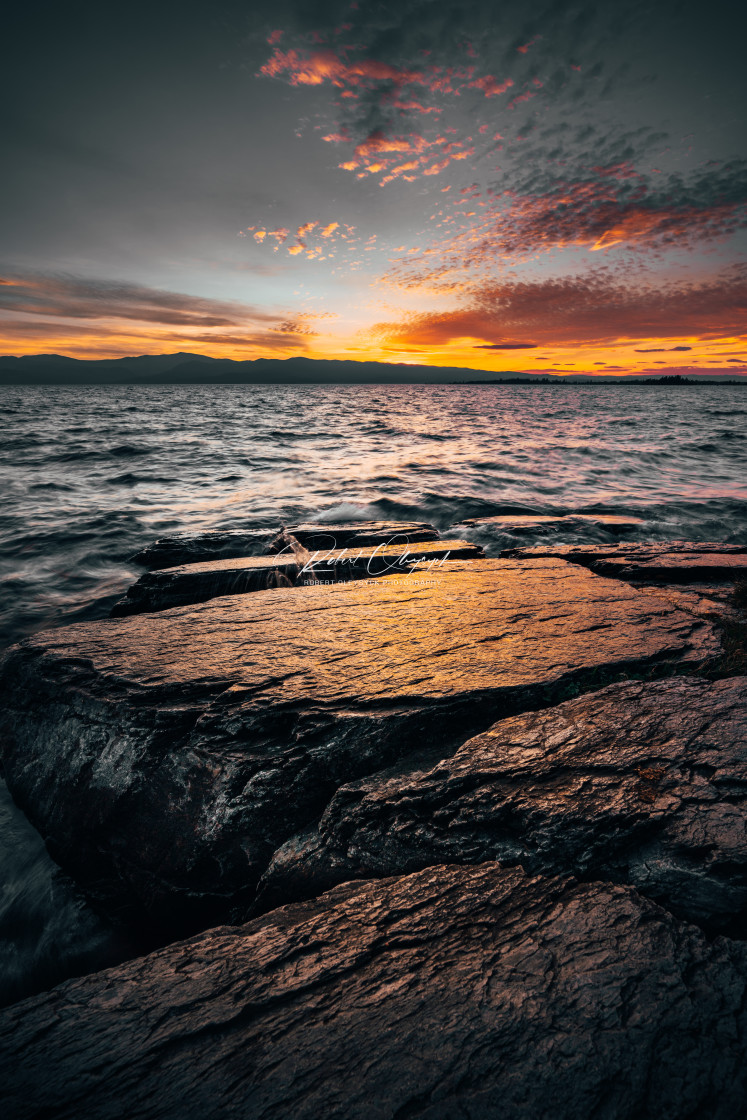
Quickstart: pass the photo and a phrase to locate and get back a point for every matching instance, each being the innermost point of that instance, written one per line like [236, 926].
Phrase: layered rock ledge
[673, 562]
[226, 544]
[455, 992]
[548, 523]
[641, 783]
[197, 582]
[216, 759]
[166, 757]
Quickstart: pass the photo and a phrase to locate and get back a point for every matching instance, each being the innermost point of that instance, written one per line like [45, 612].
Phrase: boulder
[456, 992]
[165, 757]
[196, 583]
[643, 783]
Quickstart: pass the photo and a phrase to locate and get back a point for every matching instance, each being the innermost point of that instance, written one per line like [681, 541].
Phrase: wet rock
[167, 552]
[47, 932]
[545, 523]
[641, 783]
[165, 757]
[357, 534]
[673, 562]
[197, 583]
[707, 600]
[456, 992]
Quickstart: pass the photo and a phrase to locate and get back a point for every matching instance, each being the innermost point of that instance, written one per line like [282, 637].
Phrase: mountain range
[197, 369]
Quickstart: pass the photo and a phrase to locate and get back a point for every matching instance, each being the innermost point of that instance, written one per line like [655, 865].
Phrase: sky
[547, 186]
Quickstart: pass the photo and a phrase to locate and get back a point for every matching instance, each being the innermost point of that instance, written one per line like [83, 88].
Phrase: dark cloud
[506, 346]
[68, 297]
[42, 307]
[663, 350]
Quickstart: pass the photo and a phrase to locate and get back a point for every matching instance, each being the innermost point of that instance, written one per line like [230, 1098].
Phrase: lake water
[88, 476]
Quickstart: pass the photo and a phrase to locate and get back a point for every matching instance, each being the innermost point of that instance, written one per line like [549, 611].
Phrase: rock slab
[356, 534]
[165, 757]
[215, 544]
[641, 783]
[199, 582]
[456, 992]
[548, 523]
[674, 562]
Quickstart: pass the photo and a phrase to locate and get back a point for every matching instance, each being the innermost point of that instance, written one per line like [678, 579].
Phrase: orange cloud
[326, 66]
[592, 310]
[490, 86]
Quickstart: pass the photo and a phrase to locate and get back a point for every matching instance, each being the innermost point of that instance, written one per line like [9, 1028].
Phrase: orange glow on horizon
[665, 356]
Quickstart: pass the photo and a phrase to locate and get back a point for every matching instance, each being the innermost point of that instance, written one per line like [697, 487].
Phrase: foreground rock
[673, 562]
[197, 583]
[640, 783]
[452, 993]
[165, 757]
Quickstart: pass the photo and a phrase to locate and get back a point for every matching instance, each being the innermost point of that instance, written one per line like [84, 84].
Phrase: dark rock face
[456, 992]
[640, 783]
[227, 544]
[221, 544]
[165, 757]
[674, 562]
[197, 583]
[358, 534]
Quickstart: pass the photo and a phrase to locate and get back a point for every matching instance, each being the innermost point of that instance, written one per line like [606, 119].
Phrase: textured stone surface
[475, 993]
[167, 552]
[165, 757]
[633, 549]
[357, 534]
[673, 562]
[196, 583]
[642, 783]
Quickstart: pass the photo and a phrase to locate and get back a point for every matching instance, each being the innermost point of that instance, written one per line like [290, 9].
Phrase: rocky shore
[446, 835]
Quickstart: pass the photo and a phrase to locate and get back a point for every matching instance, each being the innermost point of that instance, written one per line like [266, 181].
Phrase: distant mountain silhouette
[197, 369]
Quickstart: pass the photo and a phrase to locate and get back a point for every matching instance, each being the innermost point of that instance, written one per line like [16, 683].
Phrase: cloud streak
[38, 306]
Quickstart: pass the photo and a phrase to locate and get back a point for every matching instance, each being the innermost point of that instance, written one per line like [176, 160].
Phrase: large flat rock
[165, 757]
[673, 562]
[197, 582]
[476, 993]
[642, 783]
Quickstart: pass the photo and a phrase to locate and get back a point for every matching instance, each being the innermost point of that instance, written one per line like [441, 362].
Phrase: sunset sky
[549, 186]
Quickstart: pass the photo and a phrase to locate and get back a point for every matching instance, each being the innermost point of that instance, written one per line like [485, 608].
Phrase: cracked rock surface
[165, 757]
[454, 992]
[640, 783]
